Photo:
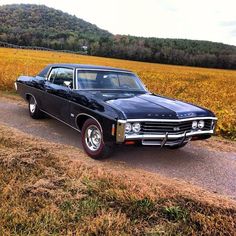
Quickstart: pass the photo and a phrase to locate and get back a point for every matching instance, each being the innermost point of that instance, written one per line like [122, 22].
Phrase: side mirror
[67, 84]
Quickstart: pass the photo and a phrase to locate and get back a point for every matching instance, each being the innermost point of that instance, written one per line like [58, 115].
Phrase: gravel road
[213, 169]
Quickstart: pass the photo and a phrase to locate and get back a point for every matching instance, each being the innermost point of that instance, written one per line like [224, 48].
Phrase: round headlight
[128, 127]
[194, 124]
[201, 124]
[136, 127]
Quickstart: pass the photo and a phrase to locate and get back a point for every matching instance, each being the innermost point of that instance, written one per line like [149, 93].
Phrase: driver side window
[62, 77]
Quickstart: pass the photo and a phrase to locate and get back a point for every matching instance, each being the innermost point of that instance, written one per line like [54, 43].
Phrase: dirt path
[210, 164]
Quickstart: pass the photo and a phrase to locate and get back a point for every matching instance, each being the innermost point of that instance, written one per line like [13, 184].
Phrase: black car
[111, 106]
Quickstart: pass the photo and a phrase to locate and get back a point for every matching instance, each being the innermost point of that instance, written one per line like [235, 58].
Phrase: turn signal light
[129, 142]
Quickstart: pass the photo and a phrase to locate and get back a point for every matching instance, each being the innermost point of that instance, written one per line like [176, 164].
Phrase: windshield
[108, 80]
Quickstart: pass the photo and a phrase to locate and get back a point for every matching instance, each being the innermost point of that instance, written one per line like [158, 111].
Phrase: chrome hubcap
[32, 105]
[93, 138]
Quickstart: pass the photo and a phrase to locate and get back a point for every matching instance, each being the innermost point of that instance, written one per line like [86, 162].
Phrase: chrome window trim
[171, 120]
[50, 73]
[110, 70]
[115, 70]
[58, 67]
[60, 120]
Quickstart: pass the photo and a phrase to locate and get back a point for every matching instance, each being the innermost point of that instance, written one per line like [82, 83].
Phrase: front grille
[208, 125]
[152, 127]
[159, 142]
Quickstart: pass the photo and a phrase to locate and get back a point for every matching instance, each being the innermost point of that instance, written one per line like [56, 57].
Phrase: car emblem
[176, 128]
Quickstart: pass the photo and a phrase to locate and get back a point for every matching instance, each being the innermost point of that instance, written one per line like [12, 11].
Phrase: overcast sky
[213, 20]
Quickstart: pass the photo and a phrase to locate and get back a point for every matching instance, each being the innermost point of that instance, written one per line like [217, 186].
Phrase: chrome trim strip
[70, 101]
[121, 138]
[98, 69]
[32, 96]
[117, 71]
[15, 84]
[101, 114]
[120, 131]
[172, 120]
[47, 78]
[184, 137]
[83, 69]
[77, 129]
[122, 121]
[85, 114]
[164, 140]
[158, 143]
[60, 120]
[49, 74]
[170, 136]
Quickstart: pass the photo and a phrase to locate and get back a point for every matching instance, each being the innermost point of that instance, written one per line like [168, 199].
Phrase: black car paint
[107, 106]
[153, 106]
[61, 102]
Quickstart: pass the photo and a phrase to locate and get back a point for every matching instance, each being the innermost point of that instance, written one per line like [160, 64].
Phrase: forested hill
[27, 24]
[38, 25]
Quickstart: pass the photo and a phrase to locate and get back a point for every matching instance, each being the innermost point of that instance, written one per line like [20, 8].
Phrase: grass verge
[48, 188]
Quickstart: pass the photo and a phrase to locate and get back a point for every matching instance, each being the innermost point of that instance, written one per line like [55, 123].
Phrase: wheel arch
[28, 95]
[82, 117]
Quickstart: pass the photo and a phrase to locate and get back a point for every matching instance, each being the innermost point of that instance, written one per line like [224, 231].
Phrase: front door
[58, 93]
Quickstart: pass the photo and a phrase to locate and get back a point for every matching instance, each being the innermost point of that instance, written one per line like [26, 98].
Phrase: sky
[213, 20]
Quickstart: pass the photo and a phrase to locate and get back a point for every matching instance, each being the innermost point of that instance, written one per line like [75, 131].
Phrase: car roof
[87, 66]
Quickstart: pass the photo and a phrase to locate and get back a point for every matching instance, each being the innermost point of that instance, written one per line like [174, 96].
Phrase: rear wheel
[34, 111]
[92, 140]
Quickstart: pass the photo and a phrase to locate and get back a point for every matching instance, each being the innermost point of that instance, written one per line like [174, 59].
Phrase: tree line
[41, 26]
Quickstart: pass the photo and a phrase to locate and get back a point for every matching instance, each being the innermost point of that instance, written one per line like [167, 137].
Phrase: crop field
[211, 88]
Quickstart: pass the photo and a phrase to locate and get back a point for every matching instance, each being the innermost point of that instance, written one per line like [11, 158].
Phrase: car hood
[154, 106]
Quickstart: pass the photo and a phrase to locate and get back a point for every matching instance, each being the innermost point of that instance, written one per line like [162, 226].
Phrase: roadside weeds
[48, 188]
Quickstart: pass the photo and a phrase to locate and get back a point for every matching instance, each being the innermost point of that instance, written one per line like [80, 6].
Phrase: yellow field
[211, 88]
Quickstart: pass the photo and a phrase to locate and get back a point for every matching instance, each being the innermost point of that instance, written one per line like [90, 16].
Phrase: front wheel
[92, 140]
[34, 110]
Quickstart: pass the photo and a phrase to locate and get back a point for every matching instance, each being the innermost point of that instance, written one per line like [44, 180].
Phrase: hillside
[38, 25]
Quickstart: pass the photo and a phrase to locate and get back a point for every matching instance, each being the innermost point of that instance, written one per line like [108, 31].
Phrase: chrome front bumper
[160, 139]
[167, 139]
[162, 136]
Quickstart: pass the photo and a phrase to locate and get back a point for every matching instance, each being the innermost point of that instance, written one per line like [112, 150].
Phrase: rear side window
[61, 76]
